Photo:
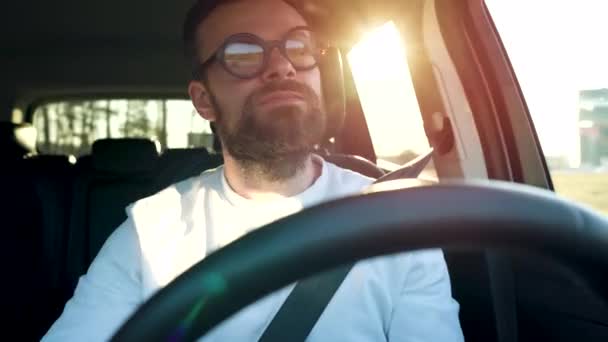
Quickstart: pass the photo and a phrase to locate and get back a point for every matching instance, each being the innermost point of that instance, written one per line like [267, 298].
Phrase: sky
[557, 48]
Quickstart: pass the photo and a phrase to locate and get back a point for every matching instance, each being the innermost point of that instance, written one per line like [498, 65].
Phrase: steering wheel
[391, 217]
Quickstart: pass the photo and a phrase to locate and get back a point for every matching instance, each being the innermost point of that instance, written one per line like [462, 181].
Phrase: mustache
[285, 85]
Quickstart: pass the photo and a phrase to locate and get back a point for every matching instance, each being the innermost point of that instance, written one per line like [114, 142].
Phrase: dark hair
[197, 14]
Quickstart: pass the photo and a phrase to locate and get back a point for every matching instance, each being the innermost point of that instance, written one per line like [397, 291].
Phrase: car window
[560, 58]
[71, 127]
[386, 91]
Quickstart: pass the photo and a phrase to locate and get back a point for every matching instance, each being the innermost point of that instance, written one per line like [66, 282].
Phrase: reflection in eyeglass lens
[300, 53]
[243, 58]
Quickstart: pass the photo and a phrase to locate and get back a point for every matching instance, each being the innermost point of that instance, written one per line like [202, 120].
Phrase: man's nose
[278, 67]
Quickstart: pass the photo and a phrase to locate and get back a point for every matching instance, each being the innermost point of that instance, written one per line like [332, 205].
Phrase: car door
[519, 63]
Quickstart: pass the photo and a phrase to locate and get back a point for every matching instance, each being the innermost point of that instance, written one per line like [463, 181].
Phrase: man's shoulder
[346, 179]
[207, 179]
[173, 195]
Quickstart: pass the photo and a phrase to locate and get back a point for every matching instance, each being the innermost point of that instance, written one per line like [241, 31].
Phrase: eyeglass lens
[248, 57]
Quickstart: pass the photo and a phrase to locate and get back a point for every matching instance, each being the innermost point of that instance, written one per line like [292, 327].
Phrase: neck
[258, 181]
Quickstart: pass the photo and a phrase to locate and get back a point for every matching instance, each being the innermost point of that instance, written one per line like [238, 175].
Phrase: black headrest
[17, 140]
[128, 155]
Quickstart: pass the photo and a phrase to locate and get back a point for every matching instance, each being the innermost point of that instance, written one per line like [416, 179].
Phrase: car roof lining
[79, 52]
[31, 26]
[64, 28]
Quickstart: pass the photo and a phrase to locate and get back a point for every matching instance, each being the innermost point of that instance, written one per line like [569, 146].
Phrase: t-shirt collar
[311, 195]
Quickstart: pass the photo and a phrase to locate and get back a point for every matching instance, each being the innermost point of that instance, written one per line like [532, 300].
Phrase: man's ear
[201, 99]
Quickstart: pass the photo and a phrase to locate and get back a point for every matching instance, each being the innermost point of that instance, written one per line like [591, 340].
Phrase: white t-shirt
[403, 297]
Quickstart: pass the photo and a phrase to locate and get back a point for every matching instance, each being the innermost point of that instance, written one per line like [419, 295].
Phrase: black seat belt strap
[304, 305]
[309, 298]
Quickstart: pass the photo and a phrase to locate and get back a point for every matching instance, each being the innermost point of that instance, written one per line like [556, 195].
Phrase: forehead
[250, 16]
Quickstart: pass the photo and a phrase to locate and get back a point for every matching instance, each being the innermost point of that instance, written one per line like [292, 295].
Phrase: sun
[386, 91]
[380, 52]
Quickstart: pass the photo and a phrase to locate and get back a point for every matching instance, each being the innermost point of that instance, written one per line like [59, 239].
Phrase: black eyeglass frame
[267, 46]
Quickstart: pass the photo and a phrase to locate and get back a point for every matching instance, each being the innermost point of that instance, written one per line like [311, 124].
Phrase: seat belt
[309, 298]
[304, 305]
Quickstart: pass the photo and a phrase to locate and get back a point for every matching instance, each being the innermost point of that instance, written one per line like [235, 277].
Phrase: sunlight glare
[384, 85]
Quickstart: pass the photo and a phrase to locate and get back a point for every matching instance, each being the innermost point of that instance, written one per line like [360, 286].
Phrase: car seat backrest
[20, 255]
[36, 194]
[118, 172]
[51, 178]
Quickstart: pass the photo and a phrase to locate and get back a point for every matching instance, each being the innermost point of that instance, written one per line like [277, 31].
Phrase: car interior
[58, 209]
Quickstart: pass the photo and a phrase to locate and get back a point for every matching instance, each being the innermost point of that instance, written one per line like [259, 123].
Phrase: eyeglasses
[246, 55]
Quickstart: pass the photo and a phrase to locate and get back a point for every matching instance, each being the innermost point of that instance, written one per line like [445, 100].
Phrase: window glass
[559, 54]
[384, 85]
[71, 127]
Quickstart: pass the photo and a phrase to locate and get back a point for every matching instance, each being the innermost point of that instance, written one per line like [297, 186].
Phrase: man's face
[276, 115]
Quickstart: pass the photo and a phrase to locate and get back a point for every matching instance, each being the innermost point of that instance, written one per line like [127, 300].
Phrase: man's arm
[107, 295]
[426, 310]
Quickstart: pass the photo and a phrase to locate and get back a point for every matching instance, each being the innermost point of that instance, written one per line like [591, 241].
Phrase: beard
[274, 144]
